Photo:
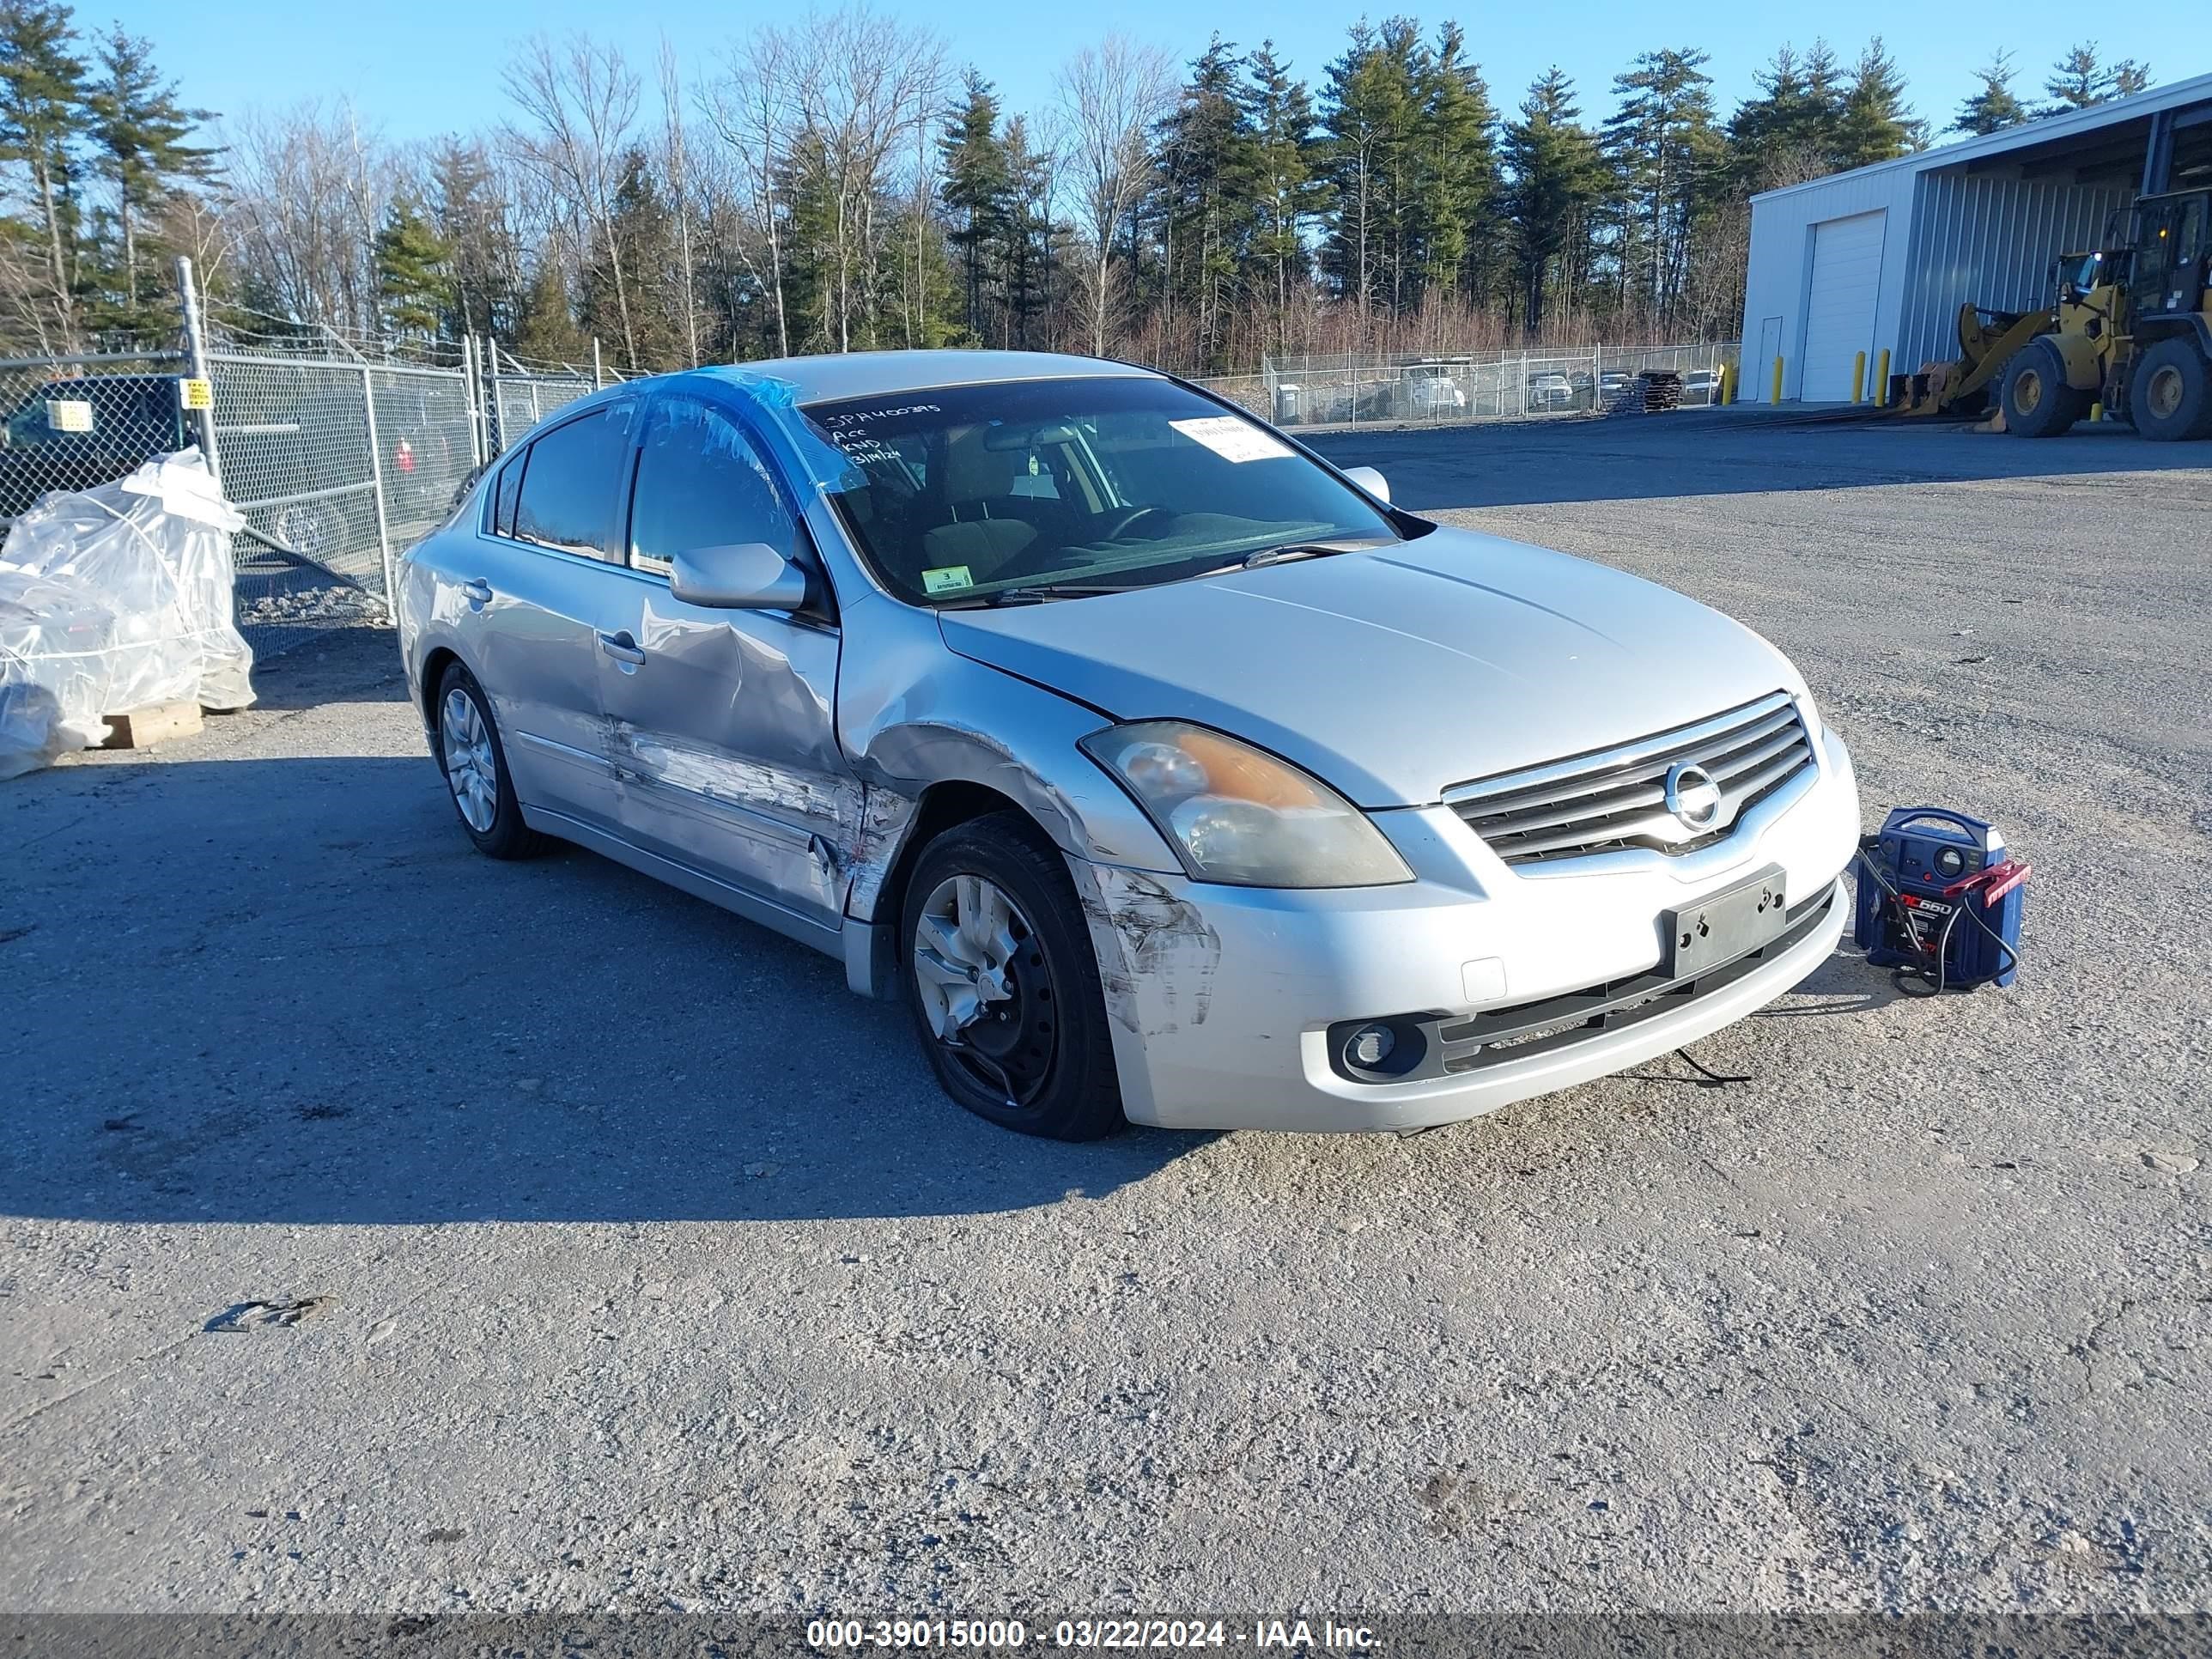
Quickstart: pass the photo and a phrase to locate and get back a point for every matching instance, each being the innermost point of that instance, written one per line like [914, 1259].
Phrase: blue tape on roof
[778, 399]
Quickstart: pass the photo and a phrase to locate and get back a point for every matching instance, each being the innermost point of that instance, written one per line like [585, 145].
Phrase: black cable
[1714, 1080]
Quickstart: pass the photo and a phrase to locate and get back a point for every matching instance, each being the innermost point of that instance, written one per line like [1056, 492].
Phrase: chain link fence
[70, 423]
[341, 464]
[340, 459]
[1438, 390]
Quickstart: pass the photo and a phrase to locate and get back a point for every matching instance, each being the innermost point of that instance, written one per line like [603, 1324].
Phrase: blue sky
[417, 68]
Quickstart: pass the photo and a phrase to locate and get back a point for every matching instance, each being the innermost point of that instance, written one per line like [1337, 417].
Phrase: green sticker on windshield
[946, 577]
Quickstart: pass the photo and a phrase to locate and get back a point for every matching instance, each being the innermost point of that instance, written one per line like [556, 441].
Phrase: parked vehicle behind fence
[73, 434]
[1165, 770]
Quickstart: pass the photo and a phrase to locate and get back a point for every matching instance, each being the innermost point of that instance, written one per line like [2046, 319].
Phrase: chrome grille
[1617, 798]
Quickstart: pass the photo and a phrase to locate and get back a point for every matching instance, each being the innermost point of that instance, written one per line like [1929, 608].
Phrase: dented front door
[721, 724]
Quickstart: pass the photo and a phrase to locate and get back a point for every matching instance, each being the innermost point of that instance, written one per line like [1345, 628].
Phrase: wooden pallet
[142, 728]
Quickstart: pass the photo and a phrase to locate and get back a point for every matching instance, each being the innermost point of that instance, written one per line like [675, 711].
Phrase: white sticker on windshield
[1231, 439]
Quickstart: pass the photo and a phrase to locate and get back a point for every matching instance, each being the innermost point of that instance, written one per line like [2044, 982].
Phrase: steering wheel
[1129, 517]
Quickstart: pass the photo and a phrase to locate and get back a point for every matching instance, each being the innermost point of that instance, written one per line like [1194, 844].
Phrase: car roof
[832, 377]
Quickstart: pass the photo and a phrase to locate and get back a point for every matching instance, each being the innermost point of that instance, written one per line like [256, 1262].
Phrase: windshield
[961, 492]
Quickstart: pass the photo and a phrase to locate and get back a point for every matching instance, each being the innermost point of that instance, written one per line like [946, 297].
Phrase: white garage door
[1839, 311]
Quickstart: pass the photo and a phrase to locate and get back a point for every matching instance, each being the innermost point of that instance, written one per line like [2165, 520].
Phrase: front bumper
[1221, 998]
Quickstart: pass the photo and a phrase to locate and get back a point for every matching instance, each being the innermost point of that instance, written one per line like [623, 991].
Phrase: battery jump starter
[1941, 906]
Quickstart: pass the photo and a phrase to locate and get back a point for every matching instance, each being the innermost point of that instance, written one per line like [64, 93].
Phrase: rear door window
[571, 484]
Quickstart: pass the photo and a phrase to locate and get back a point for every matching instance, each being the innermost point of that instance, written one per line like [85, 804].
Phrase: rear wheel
[2036, 399]
[1003, 982]
[2169, 395]
[474, 761]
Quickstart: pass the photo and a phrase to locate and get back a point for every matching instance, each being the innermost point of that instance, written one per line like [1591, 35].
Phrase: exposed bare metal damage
[1157, 954]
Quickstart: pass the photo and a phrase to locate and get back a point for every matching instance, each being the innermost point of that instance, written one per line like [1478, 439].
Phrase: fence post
[598, 375]
[376, 479]
[196, 360]
[476, 408]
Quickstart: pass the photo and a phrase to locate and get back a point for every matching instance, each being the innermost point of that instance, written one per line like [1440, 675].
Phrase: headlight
[1234, 813]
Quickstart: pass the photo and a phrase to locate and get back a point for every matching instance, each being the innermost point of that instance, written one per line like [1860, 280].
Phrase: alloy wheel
[986, 986]
[471, 770]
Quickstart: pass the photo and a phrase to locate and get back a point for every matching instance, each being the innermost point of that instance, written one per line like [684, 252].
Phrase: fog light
[1370, 1046]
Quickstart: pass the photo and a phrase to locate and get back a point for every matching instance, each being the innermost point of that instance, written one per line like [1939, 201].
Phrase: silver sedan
[1166, 771]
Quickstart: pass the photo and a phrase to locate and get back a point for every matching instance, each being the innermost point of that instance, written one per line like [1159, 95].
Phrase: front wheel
[2169, 397]
[1004, 984]
[2036, 399]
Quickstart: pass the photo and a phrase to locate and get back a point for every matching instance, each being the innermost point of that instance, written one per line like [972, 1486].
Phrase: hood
[1394, 674]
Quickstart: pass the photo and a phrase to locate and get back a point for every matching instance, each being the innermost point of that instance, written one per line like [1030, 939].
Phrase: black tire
[2170, 393]
[504, 835]
[1041, 1060]
[2036, 399]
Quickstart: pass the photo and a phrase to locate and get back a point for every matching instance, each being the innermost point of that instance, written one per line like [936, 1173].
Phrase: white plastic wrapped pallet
[113, 599]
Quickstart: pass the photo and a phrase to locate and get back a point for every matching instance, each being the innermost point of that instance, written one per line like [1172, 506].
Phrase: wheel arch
[435, 665]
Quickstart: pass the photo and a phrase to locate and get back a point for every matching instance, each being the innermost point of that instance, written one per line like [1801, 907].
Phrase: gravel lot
[388, 1229]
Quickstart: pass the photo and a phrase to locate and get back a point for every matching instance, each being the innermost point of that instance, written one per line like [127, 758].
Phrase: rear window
[571, 483]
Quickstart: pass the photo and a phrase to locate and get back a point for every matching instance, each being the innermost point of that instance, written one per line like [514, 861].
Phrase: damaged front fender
[914, 717]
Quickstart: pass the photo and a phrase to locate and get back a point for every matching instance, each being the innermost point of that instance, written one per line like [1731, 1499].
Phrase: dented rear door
[722, 730]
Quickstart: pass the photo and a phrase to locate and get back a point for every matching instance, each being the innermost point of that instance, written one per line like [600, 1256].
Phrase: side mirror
[737, 576]
[1371, 481]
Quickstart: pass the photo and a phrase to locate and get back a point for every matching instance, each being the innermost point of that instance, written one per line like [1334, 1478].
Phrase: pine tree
[1993, 106]
[1024, 254]
[1659, 142]
[1792, 129]
[2081, 79]
[1278, 111]
[2078, 80]
[1877, 124]
[1209, 173]
[414, 279]
[1368, 111]
[42, 95]
[470, 219]
[1557, 173]
[545, 328]
[1455, 170]
[2127, 77]
[977, 191]
[642, 227]
[139, 133]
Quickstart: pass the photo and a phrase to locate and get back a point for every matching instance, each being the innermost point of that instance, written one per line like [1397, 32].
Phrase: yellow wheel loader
[2130, 328]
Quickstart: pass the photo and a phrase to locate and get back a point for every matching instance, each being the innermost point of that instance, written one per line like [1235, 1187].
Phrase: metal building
[1880, 258]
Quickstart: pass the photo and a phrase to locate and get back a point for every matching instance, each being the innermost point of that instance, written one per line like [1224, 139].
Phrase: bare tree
[754, 108]
[309, 188]
[581, 100]
[680, 190]
[1111, 95]
[869, 82]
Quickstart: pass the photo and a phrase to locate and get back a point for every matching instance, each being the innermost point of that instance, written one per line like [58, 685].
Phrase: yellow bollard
[2096, 413]
[1858, 377]
[1881, 379]
[1777, 397]
[1728, 384]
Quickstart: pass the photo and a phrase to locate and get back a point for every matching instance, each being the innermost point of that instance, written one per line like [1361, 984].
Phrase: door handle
[622, 647]
[478, 591]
